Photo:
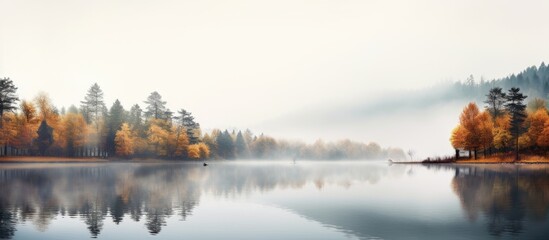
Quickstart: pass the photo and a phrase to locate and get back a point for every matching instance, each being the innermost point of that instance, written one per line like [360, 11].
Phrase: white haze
[254, 64]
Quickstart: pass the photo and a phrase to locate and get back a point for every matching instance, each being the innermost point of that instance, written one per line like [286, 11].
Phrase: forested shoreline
[38, 128]
[507, 128]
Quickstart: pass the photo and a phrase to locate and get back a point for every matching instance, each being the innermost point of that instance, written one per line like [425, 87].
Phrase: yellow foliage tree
[193, 151]
[180, 142]
[502, 138]
[198, 151]
[204, 150]
[124, 141]
[28, 122]
[72, 134]
[158, 139]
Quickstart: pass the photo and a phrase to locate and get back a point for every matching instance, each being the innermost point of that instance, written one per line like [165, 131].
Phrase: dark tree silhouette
[115, 119]
[8, 98]
[186, 120]
[495, 101]
[45, 137]
[516, 108]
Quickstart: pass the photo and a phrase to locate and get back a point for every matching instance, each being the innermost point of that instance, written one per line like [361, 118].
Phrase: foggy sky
[241, 63]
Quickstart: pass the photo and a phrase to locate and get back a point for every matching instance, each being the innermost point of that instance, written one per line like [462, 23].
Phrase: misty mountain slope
[416, 119]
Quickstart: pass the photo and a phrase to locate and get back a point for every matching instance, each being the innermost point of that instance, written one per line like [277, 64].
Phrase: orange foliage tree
[470, 122]
[536, 122]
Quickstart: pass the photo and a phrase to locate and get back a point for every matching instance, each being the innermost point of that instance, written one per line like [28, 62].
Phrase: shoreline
[48, 159]
[478, 162]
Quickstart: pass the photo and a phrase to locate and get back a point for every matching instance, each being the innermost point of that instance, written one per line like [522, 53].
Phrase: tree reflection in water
[95, 192]
[506, 195]
[507, 198]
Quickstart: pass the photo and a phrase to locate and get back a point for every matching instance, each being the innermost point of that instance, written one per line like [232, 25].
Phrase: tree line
[534, 81]
[246, 145]
[506, 124]
[38, 128]
[92, 130]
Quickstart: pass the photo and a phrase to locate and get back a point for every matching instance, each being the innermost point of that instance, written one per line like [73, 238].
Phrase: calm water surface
[273, 200]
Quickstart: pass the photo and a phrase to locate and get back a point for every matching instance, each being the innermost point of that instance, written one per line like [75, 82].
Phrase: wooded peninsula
[505, 129]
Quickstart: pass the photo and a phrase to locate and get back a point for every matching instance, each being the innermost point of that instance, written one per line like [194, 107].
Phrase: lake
[273, 200]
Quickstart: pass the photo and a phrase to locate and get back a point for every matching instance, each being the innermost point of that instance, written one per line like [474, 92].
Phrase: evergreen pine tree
[516, 109]
[156, 108]
[8, 98]
[45, 137]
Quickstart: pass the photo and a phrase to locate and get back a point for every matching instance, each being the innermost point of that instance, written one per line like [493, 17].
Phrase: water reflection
[148, 193]
[506, 195]
[361, 200]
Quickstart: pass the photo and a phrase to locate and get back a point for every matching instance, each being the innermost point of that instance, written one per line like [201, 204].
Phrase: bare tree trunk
[517, 149]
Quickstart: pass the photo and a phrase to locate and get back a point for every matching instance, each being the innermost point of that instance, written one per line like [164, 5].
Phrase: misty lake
[273, 200]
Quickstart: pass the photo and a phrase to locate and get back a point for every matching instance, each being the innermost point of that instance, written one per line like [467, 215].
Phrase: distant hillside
[411, 119]
[533, 81]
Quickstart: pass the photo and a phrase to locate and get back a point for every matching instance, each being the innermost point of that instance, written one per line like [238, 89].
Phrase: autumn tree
[124, 141]
[156, 107]
[178, 142]
[158, 137]
[8, 98]
[458, 137]
[536, 123]
[194, 151]
[164, 139]
[470, 122]
[73, 133]
[502, 135]
[45, 107]
[543, 138]
[516, 109]
[486, 128]
[28, 125]
[204, 150]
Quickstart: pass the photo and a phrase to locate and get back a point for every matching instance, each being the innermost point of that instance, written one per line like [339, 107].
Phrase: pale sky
[240, 63]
